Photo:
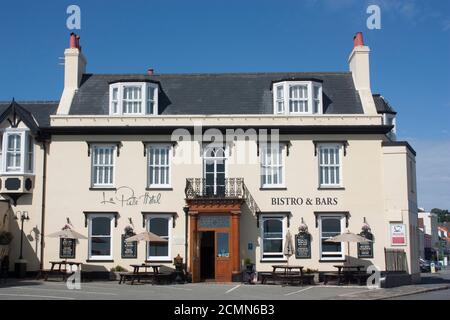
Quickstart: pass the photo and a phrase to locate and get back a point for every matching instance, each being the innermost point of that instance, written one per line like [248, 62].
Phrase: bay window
[330, 226]
[159, 159]
[159, 224]
[100, 236]
[330, 167]
[297, 97]
[16, 152]
[133, 98]
[102, 165]
[272, 166]
[272, 237]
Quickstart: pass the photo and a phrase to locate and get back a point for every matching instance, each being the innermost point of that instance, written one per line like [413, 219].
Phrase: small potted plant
[249, 265]
[5, 239]
[115, 272]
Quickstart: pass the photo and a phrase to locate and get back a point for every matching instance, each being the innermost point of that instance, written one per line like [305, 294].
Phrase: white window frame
[283, 219]
[112, 219]
[169, 218]
[338, 256]
[206, 157]
[145, 89]
[263, 166]
[286, 97]
[169, 166]
[25, 135]
[114, 153]
[330, 146]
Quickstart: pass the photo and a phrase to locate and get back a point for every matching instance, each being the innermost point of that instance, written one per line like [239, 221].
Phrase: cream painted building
[222, 166]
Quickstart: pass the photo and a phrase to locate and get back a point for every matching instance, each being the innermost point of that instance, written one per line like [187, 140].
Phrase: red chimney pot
[358, 39]
[73, 40]
[150, 71]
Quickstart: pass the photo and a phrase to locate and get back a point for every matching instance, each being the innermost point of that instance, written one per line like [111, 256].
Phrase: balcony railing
[230, 188]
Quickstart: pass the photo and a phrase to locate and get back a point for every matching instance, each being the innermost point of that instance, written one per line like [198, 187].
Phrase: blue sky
[410, 59]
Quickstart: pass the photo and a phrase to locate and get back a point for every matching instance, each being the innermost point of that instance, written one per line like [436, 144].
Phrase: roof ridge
[221, 73]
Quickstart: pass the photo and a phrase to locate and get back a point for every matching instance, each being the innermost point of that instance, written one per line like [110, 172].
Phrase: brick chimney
[360, 69]
[74, 68]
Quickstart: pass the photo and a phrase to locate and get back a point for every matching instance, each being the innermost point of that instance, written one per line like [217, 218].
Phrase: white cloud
[433, 173]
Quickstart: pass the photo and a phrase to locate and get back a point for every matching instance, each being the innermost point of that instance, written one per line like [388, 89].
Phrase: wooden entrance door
[223, 270]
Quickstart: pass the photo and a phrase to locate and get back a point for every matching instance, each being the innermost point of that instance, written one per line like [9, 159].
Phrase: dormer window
[133, 98]
[297, 97]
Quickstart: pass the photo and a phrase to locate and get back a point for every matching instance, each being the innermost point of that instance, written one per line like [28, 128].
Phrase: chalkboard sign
[129, 249]
[365, 249]
[67, 248]
[303, 246]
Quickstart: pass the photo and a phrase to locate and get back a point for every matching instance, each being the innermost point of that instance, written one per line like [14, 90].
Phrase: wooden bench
[332, 275]
[290, 279]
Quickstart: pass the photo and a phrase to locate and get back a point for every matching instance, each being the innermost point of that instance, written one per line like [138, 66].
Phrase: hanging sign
[365, 249]
[129, 249]
[67, 248]
[303, 246]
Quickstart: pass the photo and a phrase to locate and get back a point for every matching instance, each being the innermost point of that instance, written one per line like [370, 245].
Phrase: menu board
[303, 246]
[67, 248]
[365, 250]
[129, 249]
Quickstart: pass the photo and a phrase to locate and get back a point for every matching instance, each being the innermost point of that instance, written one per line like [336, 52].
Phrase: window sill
[99, 260]
[159, 260]
[102, 188]
[159, 189]
[332, 260]
[330, 188]
[282, 188]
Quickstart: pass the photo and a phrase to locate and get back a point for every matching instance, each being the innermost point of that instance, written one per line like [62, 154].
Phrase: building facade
[221, 166]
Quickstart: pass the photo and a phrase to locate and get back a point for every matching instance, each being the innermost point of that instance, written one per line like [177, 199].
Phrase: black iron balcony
[228, 188]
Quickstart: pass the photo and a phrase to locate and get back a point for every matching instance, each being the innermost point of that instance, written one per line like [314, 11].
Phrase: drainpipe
[186, 219]
[44, 185]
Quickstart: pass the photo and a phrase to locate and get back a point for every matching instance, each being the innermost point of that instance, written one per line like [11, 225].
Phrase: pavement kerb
[441, 287]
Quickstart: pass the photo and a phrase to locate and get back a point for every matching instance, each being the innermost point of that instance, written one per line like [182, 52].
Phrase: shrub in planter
[5, 237]
[114, 273]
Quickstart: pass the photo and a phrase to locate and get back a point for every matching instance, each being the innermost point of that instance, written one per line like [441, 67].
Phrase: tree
[443, 215]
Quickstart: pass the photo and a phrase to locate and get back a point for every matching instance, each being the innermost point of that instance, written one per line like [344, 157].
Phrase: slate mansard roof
[222, 93]
[382, 104]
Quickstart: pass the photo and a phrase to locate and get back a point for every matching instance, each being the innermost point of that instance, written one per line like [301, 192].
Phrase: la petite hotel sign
[304, 201]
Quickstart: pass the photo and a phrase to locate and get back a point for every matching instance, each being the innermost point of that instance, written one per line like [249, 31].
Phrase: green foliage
[5, 237]
[308, 270]
[118, 269]
[443, 215]
[247, 261]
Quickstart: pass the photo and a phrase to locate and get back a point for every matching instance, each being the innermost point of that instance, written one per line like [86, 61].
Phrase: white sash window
[133, 98]
[103, 165]
[330, 168]
[159, 159]
[272, 166]
[16, 152]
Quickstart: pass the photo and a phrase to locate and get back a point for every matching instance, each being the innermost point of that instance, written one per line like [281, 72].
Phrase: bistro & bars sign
[301, 201]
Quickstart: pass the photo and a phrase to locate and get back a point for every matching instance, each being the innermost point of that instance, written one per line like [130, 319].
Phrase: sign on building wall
[129, 249]
[398, 234]
[67, 248]
[303, 246]
[365, 249]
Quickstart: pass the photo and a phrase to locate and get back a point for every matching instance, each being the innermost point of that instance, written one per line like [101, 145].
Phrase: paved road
[112, 290]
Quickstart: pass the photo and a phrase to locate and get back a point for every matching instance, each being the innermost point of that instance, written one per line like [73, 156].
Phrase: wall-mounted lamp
[22, 215]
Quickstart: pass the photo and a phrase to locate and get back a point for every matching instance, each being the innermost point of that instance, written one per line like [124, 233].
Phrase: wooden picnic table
[289, 273]
[349, 272]
[138, 274]
[61, 271]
